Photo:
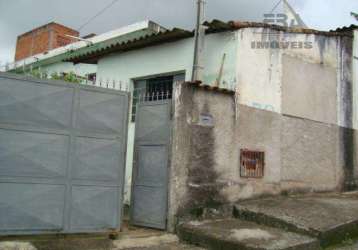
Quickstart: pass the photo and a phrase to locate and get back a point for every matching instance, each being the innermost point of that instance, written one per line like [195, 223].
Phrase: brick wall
[42, 39]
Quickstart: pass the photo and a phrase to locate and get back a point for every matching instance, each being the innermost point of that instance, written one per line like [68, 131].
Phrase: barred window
[153, 89]
[252, 163]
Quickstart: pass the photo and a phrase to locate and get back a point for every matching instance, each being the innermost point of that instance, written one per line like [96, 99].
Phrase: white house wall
[175, 57]
[309, 82]
[258, 72]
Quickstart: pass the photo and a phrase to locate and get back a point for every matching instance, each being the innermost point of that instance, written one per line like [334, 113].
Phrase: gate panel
[150, 185]
[62, 156]
[30, 103]
[97, 159]
[22, 207]
[94, 207]
[30, 154]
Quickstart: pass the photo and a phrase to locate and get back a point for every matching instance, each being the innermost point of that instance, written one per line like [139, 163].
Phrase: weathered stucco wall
[308, 79]
[258, 130]
[309, 155]
[309, 90]
[199, 169]
[211, 127]
[258, 71]
[260, 56]
[277, 70]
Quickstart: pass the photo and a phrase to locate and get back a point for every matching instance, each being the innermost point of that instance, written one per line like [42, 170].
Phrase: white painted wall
[173, 57]
[260, 73]
[312, 93]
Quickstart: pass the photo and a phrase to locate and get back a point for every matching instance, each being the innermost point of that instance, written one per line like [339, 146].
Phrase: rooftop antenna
[199, 43]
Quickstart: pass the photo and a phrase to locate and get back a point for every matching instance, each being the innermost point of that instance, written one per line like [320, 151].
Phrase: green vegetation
[67, 77]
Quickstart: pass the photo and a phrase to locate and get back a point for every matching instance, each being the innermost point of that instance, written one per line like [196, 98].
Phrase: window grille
[152, 89]
[252, 163]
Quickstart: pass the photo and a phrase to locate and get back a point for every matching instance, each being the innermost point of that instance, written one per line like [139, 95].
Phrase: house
[43, 39]
[289, 126]
[51, 50]
[275, 112]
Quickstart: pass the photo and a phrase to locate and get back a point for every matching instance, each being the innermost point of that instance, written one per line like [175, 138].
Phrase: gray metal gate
[62, 156]
[151, 157]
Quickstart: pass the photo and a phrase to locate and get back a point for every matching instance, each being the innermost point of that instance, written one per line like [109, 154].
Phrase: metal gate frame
[73, 131]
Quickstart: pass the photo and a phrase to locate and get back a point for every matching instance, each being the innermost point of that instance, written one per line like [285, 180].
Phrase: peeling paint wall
[205, 166]
[277, 70]
[310, 82]
[309, 90]
[258, 71]
[203, 129]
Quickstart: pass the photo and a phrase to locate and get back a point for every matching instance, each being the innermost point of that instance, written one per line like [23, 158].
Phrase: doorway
[151, 112]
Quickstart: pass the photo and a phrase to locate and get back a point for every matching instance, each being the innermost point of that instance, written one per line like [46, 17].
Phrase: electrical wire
[97, 14]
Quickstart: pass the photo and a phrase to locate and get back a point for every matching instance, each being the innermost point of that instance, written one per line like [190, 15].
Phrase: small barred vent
[252, 163]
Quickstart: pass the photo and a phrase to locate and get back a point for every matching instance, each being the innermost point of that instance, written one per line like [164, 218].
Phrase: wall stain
[347, 134]
[322, 42]
[203, 188]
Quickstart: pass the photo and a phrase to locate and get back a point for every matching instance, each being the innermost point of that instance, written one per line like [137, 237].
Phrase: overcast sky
[19, 16]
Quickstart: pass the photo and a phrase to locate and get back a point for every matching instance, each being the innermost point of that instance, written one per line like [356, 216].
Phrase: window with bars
[252, 163]
[152, 89]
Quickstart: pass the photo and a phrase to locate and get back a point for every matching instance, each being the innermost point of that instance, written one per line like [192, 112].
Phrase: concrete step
[330, 218]
[148, 239]
[228, 234]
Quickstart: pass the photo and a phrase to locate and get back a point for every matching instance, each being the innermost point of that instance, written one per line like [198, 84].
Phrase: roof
[346, 28]
[92, 54]
[148, 33]
[61, 54]
[219, 26]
